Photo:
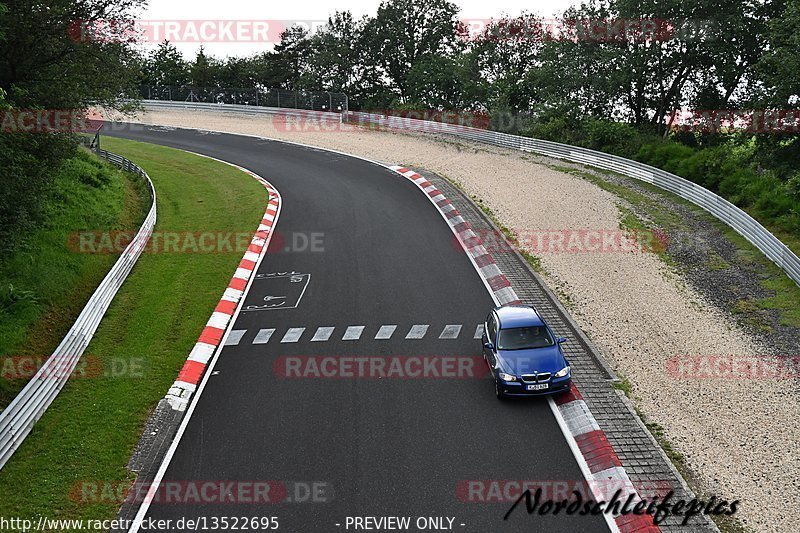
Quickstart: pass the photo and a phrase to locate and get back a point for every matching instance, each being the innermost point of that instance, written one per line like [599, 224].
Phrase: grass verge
[90, 431]
[43, 284]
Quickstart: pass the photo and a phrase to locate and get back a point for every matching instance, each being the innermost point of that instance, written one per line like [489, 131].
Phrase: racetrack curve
[382, 447]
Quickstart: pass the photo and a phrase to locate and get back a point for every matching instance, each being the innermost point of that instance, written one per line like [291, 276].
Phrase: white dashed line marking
[385, 332]
[293, 335]
[323, 333]
[450, 331]
[417, 331]
[263, 335]
[234, 337]
[353, 333]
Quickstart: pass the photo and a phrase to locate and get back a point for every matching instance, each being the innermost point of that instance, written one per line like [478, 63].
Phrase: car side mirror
[562, 340]
[488, 345]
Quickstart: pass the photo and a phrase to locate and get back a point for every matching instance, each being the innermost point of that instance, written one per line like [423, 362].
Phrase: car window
[492, 327]
[524, 338]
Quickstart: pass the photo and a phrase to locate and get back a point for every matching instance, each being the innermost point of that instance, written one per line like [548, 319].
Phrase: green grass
[90, 431]
[43, 283]
[624, 385]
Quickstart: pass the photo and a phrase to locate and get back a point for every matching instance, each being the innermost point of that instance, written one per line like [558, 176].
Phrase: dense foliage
[44, 65]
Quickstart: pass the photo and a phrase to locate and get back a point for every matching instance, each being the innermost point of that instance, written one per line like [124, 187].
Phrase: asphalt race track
[381, 256]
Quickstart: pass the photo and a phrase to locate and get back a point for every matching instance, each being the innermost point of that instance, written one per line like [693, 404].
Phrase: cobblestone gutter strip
[643, 459]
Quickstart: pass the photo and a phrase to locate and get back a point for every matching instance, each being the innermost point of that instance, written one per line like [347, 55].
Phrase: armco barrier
[725, 211]
[17, 420]
[237, 108]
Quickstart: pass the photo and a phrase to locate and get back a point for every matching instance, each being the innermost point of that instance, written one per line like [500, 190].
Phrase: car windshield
[524, 338]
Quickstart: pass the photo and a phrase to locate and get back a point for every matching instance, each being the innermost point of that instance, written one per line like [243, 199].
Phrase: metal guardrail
[721, 208]
[260, 110]
[17, 420]
[262, 96]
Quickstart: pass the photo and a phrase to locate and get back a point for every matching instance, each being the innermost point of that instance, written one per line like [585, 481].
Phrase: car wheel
[500, 395]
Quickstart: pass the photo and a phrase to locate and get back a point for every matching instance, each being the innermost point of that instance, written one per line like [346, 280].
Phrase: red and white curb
[210, 339]
[596, 457]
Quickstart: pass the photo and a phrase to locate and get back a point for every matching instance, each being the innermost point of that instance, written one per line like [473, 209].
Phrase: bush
[555, 129]
[612, 137]
[28, 164]
[665, 155]
[706, 167]
[793, 187]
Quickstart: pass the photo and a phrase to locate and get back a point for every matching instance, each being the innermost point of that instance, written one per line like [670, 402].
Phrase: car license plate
[538, 386]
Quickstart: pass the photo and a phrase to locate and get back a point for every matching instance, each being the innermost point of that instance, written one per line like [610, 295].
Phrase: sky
[307, 10]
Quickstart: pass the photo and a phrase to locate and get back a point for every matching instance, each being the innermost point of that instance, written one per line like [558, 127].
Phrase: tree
[289, 64]
[166, 66]
[440, 82]
[780, 69]
[204, 71]
[507, 53]
[404, 31]
[337, 62]
[47, 60]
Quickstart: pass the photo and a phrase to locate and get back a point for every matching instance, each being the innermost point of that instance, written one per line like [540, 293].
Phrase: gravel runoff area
[738, 436]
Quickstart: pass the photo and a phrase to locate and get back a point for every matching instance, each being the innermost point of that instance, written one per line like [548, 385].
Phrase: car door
[490, 335]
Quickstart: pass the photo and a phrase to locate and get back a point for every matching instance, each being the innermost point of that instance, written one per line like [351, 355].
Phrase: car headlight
[507, 377]
[561, 373]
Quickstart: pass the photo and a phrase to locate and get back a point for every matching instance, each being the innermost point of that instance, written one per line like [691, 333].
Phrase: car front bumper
[517, 388]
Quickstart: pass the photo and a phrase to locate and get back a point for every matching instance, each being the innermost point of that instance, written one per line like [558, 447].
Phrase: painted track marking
[353, 333]
[322, 334]
[263, 336]
[293, 335]
[417, 331]
[235, 336]
[450, 331]
[385, 332]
